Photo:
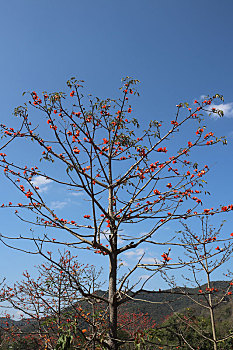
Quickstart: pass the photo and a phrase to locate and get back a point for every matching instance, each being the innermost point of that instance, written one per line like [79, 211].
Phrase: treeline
[166, 320]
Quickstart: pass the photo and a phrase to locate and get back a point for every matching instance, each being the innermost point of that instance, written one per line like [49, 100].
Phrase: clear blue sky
[179, 50]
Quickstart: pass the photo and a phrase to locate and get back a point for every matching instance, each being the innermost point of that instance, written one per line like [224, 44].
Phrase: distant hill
[160, 305]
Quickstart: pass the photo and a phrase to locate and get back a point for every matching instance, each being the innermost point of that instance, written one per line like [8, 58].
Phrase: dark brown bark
[113, 343]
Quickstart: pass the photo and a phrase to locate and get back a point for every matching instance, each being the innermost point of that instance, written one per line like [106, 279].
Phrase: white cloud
[123, 263]
[202, 97]
[58, 204]
[76, 194]
[41, 182]
[135, 253]
[17, 314]
[120, 241]
[227, 109]
[145, 277]
[143, 233]
[149, 260]
[104, 237]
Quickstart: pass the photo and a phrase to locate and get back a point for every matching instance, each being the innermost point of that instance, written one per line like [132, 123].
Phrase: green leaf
[220, 113]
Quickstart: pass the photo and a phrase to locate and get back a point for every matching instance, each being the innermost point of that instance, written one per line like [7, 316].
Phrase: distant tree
[128, 176]
[52, 309]
[180, 332]
[55, 315]
[204, 253]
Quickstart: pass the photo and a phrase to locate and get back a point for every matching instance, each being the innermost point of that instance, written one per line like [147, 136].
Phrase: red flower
[72, 93]
[156, 192]
[87, 216]
[76, 150]
[165, 257]
[199, 131]
[28, 194]
[162, 149]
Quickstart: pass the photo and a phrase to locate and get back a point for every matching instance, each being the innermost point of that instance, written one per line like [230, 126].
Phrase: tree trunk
[213, 326]
[113, 301]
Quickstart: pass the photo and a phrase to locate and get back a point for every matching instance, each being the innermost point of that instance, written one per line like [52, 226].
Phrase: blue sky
[179, 50]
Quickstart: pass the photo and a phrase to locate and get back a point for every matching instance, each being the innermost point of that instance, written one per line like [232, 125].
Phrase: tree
[129, 176]
[204, 253]
[180, 332]
[54, 315]
[53, 311]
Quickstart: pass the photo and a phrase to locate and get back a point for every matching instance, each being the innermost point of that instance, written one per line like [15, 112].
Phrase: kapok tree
[128, 176]
[53, 311]
[55, 315]
[204, 253]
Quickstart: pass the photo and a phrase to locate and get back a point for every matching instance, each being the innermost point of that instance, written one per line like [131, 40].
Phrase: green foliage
[64, 342]
[186, 328]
